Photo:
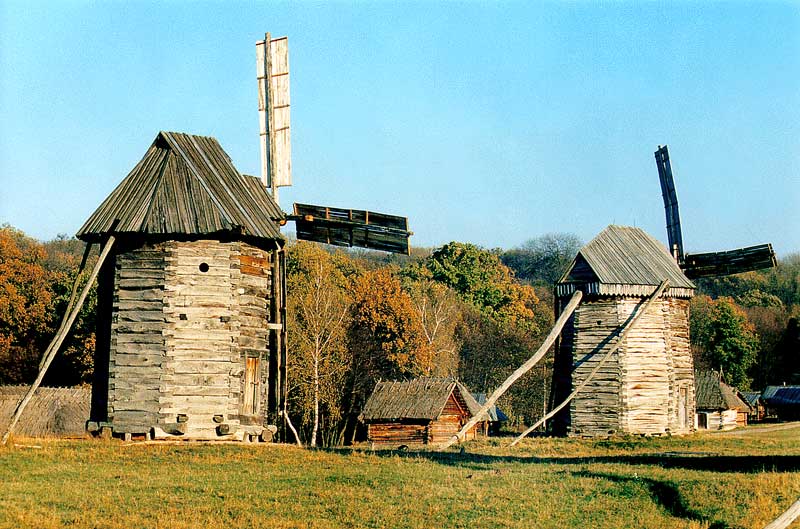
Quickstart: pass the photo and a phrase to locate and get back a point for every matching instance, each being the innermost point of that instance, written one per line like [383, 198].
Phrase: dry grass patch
[701, 481]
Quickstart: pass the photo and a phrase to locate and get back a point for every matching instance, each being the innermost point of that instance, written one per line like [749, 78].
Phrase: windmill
[704, 264]
[336, 226]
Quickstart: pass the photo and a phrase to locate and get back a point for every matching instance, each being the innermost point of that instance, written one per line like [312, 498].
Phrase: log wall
[186, 317]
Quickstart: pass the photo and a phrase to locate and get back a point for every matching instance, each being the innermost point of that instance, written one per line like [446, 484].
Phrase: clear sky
[483, 122]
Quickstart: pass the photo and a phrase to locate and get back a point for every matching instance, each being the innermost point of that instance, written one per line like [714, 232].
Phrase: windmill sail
[704, 264]
[272, 72]
[730, 262]
[352, 227]
[670, 203]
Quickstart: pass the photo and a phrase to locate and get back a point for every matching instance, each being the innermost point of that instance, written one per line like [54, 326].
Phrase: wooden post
[626, 328]
[524, 368]
[71, 301]
[59, 339]
[784, 520]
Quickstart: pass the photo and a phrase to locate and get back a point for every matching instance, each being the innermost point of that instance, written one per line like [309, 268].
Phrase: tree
[318, 313]
[25, 306]
[439, 312]
[480, 279]
[727, 341]
[543, 259]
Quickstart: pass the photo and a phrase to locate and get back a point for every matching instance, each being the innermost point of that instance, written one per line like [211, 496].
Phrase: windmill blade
[670, 202]
[352, 227]
[730, 262]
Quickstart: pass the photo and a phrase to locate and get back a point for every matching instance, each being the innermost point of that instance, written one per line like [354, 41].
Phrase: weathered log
[784, 520]
[524, 368]
[626, 328]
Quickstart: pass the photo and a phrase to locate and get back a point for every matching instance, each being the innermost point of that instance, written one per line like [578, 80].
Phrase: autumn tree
[318, 315]
[439, 312]
[25, 306]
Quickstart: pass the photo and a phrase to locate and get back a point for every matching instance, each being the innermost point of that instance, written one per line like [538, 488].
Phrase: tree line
[356, 317]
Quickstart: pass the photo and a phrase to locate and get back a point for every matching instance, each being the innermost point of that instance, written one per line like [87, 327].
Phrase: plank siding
[596, 410]
[646, 387]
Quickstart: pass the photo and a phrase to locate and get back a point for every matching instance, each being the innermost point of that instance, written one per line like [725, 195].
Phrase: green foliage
[727, 340]
[480, 279]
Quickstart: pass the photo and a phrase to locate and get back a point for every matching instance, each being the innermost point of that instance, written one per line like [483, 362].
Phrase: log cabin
[719, 406]
[646, 387]
[190, 333]
[422, 411]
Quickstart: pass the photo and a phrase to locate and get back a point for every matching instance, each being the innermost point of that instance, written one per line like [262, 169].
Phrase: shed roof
[186, 185]
[782, 395]
[751, 397]
[495, 413]
[711, 393]
[421, 398]
[624, 260]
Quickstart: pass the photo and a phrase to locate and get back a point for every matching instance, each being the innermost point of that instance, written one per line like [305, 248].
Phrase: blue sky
[484, 122]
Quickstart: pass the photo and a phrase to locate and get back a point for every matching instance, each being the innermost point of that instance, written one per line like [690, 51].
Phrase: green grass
[710, 480]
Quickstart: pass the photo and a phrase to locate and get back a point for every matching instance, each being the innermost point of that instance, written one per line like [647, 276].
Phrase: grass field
[707, 480]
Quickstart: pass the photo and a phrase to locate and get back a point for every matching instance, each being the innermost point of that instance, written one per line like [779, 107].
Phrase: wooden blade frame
[670, 203]
[352, 227]
[730, 262]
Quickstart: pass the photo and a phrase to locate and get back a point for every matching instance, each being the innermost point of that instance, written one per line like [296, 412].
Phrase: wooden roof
[421, 398]
[711, 393]
[624, 261]
[186, 185]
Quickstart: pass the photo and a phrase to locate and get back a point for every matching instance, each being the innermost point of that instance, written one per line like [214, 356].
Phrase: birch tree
[318, 314]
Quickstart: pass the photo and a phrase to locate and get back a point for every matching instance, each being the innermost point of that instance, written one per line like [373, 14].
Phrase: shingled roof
[711, 393]
[421, 398]
[624, 261]
[186, 185]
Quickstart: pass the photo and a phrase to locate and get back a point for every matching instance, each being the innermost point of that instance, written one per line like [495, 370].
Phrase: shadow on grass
[663, 493]
[702, 462]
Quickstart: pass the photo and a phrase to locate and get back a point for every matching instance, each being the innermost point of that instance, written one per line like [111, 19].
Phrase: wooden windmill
[191, 327]
[704, 264]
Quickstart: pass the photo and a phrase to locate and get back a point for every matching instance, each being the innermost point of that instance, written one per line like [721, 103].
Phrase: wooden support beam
[521, 370]
[785, 520]
[52, 349]
[625, 330]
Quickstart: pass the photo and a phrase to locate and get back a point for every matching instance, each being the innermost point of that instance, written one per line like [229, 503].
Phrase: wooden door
[682, 398]
[252, 380]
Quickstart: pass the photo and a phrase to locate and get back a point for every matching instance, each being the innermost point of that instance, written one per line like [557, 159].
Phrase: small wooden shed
[719, 407]
[421, 411]
[190, 339]
[647, 386]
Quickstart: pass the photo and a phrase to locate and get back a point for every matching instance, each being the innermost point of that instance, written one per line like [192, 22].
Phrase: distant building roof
[421, 398]
[186, 185]
[750, 397]
[711, 393]
[624, 261]
[782, 395]
[495, 413]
